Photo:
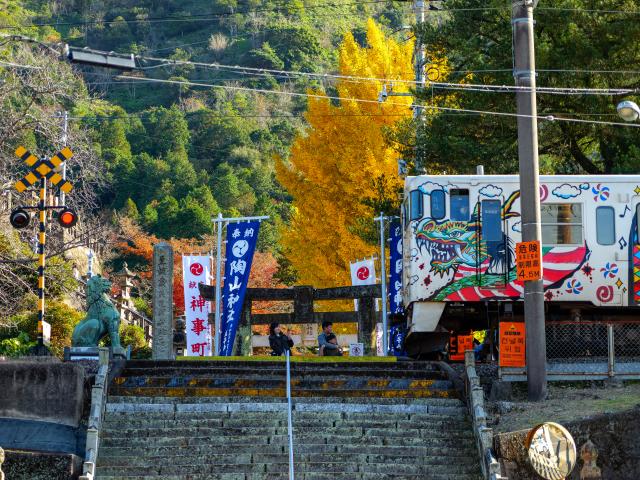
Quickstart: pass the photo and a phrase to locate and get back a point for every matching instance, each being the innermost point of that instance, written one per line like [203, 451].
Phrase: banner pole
[218, 281]
[383, 274]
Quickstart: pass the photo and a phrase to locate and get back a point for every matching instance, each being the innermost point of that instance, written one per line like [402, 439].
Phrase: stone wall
[615, 437]
[48, 391]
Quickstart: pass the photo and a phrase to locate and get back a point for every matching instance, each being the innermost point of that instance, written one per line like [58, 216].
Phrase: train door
[493, 252]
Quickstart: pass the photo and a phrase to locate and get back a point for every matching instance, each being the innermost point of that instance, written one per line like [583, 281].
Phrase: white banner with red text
[195, 270]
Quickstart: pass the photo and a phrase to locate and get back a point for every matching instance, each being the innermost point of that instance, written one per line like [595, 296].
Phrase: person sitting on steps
[279, 342]
[328, 342]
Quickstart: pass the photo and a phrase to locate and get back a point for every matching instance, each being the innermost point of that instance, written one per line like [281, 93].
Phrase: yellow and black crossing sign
[43, 169]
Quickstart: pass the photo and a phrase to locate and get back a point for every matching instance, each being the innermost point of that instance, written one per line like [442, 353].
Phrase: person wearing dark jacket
[278, 341]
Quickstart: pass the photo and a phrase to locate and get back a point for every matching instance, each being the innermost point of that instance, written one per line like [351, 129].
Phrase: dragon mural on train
[480, 269]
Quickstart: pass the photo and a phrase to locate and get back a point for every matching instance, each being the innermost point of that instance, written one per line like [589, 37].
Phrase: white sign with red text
[195, 270]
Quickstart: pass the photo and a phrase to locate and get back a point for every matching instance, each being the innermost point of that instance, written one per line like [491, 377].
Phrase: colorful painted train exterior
[460, 233]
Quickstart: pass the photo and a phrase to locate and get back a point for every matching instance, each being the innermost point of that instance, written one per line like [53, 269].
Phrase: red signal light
[19, 218]
[67, 218]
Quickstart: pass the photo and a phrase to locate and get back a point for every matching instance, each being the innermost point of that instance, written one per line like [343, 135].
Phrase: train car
[460, 234]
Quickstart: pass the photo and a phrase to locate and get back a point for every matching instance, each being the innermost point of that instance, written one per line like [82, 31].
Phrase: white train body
[460, 234]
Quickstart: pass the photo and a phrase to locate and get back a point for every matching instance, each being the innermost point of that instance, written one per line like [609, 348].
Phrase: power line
[550, 118]
[589, 10]
[352, 78]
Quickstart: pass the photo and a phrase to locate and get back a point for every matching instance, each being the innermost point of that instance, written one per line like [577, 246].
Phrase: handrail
[289, 415]
[96, 415]
[484, 435]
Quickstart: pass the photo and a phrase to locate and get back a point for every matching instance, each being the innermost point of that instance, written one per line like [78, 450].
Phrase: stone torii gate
[303, 298]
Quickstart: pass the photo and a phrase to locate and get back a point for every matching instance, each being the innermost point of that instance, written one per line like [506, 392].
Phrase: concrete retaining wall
[615, 437]
[48, 391]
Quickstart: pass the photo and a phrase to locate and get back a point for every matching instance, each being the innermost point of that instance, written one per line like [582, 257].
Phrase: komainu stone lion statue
[102, 317]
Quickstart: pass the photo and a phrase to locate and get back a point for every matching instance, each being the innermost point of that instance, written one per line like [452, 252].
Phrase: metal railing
[96, 415]
[484, 435]
[289, 415]
[588, 350]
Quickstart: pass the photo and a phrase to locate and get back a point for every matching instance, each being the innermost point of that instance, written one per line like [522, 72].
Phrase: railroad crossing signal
[43, 169]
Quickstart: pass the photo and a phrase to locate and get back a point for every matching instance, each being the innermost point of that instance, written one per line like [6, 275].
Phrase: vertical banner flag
[395, 269]
[195, 270]
[241, 243]
[363, 272]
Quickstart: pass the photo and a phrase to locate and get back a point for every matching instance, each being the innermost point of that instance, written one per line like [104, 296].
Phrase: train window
[491, 220]
[561, 223]
[459, 204]
[606, 225]
[438, 208]
[416, 205]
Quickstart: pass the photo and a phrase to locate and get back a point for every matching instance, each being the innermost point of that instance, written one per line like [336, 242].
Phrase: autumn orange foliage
[342, 158]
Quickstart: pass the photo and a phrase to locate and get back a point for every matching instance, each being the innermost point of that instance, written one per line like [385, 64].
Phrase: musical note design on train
[622, 242]
[626, 209]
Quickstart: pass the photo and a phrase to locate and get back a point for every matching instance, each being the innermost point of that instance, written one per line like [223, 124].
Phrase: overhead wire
[353, 78]
[550, 118]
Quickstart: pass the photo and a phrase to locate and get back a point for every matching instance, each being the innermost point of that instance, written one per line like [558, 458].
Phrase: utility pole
[525, 76]
[420, 57]
[420, 52]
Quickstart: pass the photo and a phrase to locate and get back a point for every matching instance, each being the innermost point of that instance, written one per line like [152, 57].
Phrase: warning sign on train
[512, 344]
[529, 261]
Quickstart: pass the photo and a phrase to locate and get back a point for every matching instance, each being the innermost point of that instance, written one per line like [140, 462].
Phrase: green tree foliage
[17, 346]
[132, 336]
[575, 47]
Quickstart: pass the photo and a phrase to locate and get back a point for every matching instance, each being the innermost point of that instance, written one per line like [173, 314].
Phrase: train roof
[543, 178]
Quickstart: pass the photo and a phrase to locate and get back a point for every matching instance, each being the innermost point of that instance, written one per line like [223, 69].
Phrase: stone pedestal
[162, 302]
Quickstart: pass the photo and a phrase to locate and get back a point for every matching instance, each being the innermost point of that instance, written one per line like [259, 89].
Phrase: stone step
[300, 439]
[271, 365]
[298, 476]
[270, 431]
[263, 458]
[280, 392]
[251, 468]
[280, 420]
[227, 372]
[200, 410]
[467, 450]
[298, 401]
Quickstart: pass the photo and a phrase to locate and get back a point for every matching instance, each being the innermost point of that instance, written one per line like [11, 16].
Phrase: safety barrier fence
[484, 435]
[588, 351]
[96, 415]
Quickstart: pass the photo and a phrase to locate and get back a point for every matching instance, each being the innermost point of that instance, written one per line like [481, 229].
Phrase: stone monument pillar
[162, 302]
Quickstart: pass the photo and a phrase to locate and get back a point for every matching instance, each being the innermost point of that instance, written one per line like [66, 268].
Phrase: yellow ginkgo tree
[342, 159]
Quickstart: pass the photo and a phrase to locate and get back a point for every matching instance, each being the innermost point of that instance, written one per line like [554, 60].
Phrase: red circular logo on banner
[196, 269]
[363, 273]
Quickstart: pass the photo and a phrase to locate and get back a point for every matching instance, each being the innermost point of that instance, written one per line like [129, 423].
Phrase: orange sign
[512, 344]
[529, 261]
[458, 345]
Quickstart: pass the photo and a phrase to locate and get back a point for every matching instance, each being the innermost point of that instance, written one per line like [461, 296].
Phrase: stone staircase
[228, 421]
